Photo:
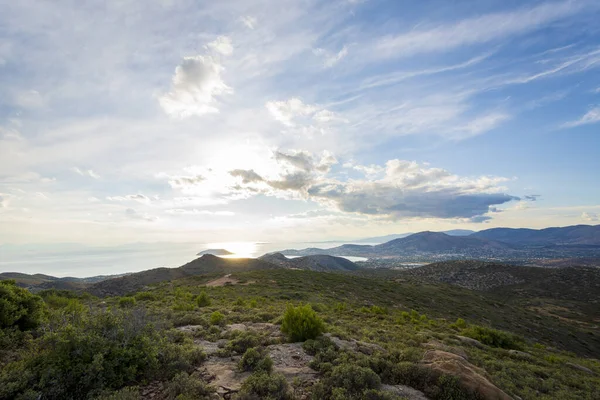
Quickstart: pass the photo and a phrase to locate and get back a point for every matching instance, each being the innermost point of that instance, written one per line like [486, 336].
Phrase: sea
[81, 261]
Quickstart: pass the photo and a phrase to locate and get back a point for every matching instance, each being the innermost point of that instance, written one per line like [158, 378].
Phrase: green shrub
[128, 393]
[301, 323]
[374, 310]
[203, 300]
[240, 302]
[255, 360]
[126, 302]
[18, 307]
[459, 324]
[216, 318]
[353, 378]
[494, 338]
[261, 385]
[145, 296]
[242, 341]
[184, 386]
[320, 344]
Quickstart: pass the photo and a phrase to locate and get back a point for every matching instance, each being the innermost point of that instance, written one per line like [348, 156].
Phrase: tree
[18, 307]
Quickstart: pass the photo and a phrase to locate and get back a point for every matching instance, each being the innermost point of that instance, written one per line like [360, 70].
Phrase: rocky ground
[293, 362]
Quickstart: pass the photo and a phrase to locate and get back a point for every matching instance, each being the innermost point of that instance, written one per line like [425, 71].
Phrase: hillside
[219, 332]
[37, 282]
[323, 263]
[206, 264]
[423, 242]
[387, 238]
[573, 283]
[434, 242]
[570, 235]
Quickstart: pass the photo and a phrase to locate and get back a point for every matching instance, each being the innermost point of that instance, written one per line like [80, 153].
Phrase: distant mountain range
[567, 236]
[497, 242]
[387, 238]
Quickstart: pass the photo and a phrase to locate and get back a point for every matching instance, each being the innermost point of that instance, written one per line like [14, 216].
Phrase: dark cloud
[247, 176]
[398, 202]
[301, 160]
[532, 197]
[183, 181]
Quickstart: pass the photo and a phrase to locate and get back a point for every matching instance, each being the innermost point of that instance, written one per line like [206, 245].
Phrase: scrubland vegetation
[66, 345]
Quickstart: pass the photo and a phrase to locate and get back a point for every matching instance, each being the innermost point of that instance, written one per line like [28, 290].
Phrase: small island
[215, 252]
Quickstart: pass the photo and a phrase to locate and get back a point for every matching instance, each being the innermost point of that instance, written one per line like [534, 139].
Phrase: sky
[127, 121]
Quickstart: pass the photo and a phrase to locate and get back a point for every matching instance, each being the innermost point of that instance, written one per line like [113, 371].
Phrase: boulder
[581, 368]
[355, 345]
[470, 377]
[404, 392]
[436, 345]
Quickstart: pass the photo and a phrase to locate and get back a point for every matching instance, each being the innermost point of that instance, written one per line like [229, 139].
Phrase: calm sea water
[83, 261]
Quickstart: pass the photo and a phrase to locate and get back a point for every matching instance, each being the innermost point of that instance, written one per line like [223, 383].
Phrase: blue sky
[177, 120]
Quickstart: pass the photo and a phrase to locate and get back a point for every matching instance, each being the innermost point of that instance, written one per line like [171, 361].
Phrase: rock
[434, 344]
[190, 328]
[520, 355]
[470, 376]
[223, 374]
[355, 345]
[236, 327]
[266, 328]
[404, 392]
[471, 342]
[581, 368]
[209, 348]
[291, 360]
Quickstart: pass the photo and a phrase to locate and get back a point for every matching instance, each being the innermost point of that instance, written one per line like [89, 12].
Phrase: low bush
[262, 385]
[494, 338]
[255, 360]
[301, 323]
[145, 296]
[128, 393]
[203, 300]
[127, 302]
[188, 387]
[353, 378]
[216, 318]
[242, 341]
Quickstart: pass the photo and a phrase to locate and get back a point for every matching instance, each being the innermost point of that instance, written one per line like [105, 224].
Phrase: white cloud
[133, 214]
[29, 99]
[286, 111]
[248, 21]
[591, 117]
[590, 216]
[85, 172]
[194, 211]
[290, 112]
[481, 125]
[476, 30]
[140, 198]
[221, 45]
[331, 59]
[196, 83]
[4, 200]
